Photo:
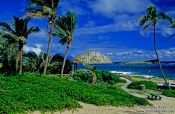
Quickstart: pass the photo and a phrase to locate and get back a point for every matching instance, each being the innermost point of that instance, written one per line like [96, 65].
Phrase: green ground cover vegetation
[103, 77]
[148, 85]
[30, 92]
[169, 93]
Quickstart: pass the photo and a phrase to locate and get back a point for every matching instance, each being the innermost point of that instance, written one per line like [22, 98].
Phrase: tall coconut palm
[151, 19]
[18, 32]
[44, 9]
[65, 26]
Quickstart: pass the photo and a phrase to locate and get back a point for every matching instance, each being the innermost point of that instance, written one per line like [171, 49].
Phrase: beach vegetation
[169, 93]
[148, 85]
[31, 92]
[103, 77]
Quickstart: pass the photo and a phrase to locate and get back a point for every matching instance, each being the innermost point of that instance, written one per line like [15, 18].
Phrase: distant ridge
[154, 61]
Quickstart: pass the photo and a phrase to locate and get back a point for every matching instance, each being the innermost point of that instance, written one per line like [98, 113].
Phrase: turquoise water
[145, 70]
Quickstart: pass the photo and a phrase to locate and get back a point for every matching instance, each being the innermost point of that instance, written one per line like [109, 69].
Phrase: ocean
[144, 70]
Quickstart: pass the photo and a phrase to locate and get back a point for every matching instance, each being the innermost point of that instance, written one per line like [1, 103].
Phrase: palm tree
[93, 70]
[151, 19]
[18, 33]
[7, 55]
[44, 9]
[65, 26]
[34, 62]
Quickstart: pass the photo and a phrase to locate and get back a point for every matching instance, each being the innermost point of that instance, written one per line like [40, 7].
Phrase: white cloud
[36, 49]
[73, 5]
[111, 7]
[90, 24]
[114, 27]
[167, 32]
[167, 53]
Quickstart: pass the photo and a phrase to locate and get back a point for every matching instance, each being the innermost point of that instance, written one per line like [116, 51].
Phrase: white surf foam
[119, 72]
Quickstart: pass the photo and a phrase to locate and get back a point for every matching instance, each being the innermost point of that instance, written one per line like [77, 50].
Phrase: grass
[148, 85]
[30, 92]
[156, 80]
[169, 93]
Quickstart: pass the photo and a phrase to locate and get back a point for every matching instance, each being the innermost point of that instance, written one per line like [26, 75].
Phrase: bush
[148, 85]
[30, 92]
[102, 77]
[169, 93]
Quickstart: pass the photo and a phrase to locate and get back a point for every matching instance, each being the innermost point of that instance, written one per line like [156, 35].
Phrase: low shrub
[148, 85]
[169, 93]
[30, 92]
[104, 77]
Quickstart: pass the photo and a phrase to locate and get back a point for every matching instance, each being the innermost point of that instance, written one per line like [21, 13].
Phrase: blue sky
[109, 26]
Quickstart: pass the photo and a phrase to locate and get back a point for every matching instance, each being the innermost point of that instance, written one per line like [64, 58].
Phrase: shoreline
[157, 80]
[129, 74]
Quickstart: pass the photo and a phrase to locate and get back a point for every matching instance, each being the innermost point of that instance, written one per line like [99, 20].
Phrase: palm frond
[60, 31]
[72, 20]
[143, 20]
[35, 15]
[5, 27]
[36, 2]
[63, 40]
[65, 26]
[165, 17]
[151, 11]
[38, 11]
[12, 37]
[33, 9]
[52, 4]
[147, 26]
[173, 24]
[32, 30]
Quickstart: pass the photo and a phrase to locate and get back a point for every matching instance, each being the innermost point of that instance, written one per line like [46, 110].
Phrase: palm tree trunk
[20, 60]
[64, 61]
[48, 49]
[94, 79]
[155, 49]
[17, 61]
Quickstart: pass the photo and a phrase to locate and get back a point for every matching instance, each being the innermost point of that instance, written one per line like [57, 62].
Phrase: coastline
[128, 75]
[143, 70]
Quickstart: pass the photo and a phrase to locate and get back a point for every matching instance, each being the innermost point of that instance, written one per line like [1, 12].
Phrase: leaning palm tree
[18, 33]
[65, 26]
[44, 9]
[151, 19]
